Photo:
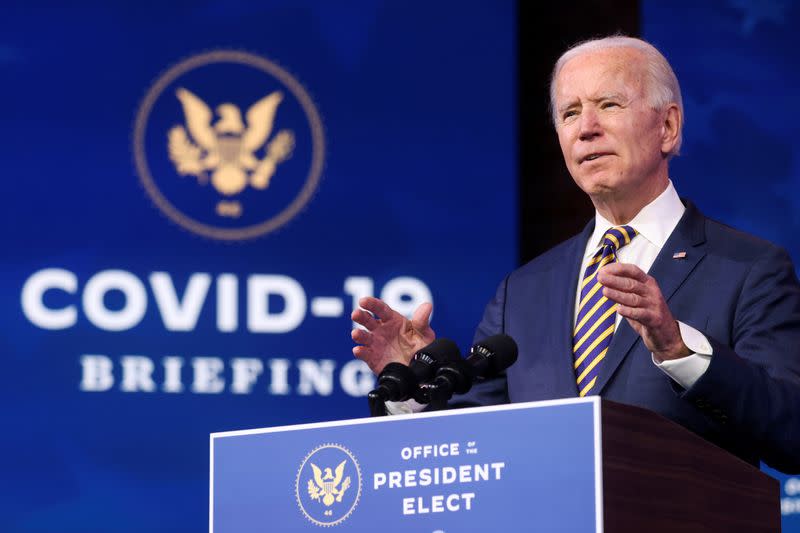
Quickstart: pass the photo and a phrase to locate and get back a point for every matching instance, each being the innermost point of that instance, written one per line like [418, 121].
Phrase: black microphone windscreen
[500, 352]
[427, 360]
[398, 381]
[396, 369]
[439, 351]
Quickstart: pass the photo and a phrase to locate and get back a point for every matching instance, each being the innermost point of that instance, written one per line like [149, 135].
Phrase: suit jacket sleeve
[492, 391]
[752, 387]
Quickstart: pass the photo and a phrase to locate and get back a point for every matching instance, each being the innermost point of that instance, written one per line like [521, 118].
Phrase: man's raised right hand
[389, 336]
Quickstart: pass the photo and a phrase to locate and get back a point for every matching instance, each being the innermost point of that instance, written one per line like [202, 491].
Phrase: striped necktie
[597, 315]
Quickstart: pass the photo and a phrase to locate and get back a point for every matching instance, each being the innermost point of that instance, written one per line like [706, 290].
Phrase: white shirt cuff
[687, 370]
[404, 408]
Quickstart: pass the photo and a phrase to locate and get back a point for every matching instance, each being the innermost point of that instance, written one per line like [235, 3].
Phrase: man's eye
[607, 105]
[568, 115]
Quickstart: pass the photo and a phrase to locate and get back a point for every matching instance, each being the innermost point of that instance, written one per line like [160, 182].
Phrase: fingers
[639, 300]
[639, 314]
[359, 316]
[626, 270]
[376, 307]
[622, 270]
[637, 295]
[646, 310]
[629, 299]
[365, 354]
[631, 281]
[361, 337]
[362, 352]
[421, 318]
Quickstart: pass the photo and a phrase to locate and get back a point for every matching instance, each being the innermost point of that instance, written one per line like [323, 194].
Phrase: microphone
[492, 355]
[487, 358]
[398, 382]
[429, 360]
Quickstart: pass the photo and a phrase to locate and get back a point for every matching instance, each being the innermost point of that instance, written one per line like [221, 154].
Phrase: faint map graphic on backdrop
[756, 11]
[737, 63]
[739, 82]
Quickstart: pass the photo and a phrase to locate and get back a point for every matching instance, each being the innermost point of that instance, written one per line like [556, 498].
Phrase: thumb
[422, 316]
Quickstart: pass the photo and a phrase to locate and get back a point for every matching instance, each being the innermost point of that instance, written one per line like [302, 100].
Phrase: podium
[575, 465]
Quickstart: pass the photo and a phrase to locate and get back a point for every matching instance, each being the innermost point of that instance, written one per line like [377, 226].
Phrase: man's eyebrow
[608, 96]
[571, 103]
[594, 99]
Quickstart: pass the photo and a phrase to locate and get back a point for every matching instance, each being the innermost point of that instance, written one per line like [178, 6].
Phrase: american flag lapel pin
[679, 255]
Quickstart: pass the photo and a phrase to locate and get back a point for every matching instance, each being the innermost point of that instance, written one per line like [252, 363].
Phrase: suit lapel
[566, 284]
[670, 273]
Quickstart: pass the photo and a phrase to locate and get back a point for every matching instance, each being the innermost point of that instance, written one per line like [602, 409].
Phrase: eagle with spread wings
[326, 486]
[227, 149]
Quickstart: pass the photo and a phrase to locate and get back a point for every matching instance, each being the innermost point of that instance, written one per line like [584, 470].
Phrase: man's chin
[599, 185]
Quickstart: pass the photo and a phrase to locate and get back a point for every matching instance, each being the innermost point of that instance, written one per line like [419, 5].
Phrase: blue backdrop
[141, 312]
[737, 63]
[171, 270]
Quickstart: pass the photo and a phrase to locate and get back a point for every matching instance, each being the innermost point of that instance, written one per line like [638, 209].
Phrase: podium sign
[519, 467]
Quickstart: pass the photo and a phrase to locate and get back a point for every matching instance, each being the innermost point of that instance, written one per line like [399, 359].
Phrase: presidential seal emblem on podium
[328, 485]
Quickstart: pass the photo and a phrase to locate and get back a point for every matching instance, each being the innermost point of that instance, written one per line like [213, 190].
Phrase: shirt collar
[654, 222]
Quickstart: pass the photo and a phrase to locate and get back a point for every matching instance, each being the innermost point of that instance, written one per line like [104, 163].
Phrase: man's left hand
[640, 301]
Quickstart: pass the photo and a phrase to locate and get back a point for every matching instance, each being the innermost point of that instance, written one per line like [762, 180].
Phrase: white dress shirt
[654, 224]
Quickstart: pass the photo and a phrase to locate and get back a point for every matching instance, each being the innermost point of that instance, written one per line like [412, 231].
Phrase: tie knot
[618, 236]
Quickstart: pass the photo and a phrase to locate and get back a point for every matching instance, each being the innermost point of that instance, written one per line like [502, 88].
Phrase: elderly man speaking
[711, 329]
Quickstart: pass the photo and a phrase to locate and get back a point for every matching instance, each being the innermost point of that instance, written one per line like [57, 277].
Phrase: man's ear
[670, 128]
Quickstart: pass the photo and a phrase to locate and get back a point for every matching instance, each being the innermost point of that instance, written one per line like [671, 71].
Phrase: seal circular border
[297, 90]
[297, 484]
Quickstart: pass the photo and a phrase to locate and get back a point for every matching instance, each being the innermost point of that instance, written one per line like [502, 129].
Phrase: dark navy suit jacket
[740, 292]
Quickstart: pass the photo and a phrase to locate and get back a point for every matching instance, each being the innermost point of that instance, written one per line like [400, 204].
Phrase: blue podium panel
[463, 470]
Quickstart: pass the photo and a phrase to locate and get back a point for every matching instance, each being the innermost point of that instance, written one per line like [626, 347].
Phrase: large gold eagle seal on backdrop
[227, 150]
[325, 485]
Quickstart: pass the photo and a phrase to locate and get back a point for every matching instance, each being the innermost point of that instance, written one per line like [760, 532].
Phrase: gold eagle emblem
[325, 486]
[227, 149]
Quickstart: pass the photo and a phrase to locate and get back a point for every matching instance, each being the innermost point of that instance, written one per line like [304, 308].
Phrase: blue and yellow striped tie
[597, 315]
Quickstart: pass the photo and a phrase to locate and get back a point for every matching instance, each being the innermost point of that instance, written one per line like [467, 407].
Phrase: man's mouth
[592, 157]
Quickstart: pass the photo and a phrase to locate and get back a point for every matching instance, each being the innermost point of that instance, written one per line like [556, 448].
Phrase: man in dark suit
[711, 329]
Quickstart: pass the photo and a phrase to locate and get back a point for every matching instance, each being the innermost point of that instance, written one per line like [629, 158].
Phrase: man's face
[611, 138]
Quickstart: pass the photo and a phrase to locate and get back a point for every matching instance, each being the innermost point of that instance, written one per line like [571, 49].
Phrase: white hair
[663, 88]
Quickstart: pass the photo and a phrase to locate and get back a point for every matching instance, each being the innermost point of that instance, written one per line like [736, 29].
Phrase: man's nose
[589, 125]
